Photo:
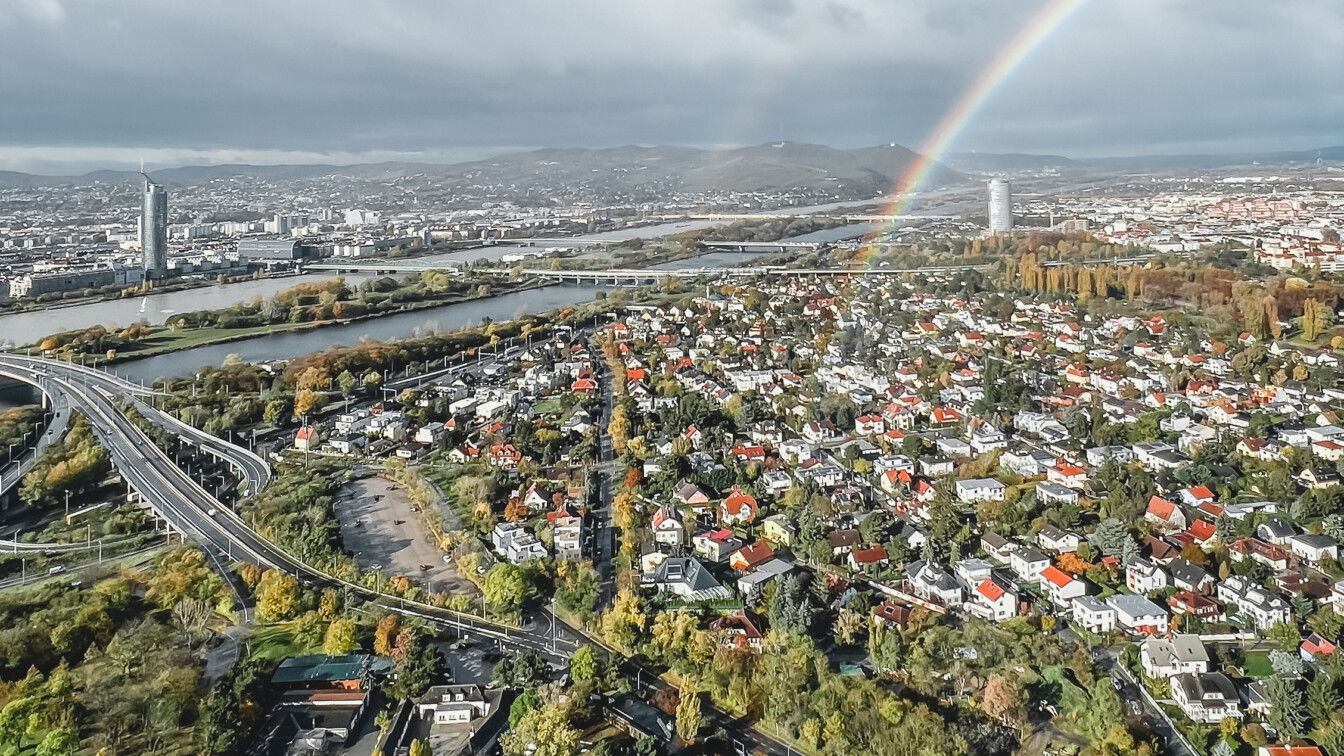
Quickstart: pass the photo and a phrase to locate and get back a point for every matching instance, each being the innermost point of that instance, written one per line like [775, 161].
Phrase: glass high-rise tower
[154, 229]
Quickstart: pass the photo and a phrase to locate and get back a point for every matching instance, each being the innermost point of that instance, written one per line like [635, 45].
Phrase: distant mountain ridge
[988, 162]
[776, 166]
[782, 166]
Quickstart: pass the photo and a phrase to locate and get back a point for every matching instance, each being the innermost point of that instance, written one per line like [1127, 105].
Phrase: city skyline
[428, 85]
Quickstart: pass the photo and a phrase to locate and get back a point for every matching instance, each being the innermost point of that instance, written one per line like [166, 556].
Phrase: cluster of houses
[919, 389]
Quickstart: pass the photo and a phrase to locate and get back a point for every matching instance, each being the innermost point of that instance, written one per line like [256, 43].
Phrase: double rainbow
[1046, 21]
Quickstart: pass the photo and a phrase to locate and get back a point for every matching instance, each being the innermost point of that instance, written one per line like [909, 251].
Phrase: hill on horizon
[779, 166]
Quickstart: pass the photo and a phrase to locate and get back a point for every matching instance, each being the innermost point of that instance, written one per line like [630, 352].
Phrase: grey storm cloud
[96, 81]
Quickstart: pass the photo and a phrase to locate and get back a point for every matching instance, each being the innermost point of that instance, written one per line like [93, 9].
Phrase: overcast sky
[103, 83]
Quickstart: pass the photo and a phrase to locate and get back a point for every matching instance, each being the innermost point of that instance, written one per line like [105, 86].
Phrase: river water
[28, 327]
[23, 328]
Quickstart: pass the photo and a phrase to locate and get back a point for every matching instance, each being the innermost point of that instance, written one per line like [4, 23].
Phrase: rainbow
[940, 139]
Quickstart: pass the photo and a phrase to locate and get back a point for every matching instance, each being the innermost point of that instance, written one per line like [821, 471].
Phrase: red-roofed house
[739, 507]
[1066, 474]
[891, 615]
[861, 558]
[1289, 750]
[1060, 586]
[742, 629]
[306, 438]
[869, 424]
[944, 416]
[1196, 495]
[1316, 647]
[585, 386]
[750, 556]
[1202, 531]
[992, 601]
[1164, 514]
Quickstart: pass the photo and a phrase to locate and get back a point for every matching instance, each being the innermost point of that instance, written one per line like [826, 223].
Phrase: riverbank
[164, 340]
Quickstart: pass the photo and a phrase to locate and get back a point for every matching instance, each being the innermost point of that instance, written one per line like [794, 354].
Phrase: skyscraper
[1000, 206]
[154, 229]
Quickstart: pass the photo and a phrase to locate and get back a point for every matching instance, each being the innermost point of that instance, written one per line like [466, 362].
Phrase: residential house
[1028, 564]
[1181, 653]
[716, 545]
[1138, 615]
[778, 529]
[1206, 697]
[516, 543]
[738, 508]
[1164, 514]
[1056, 541]
[668, 527]
[1142, 576]
[686, 578]
[975, 490]
[1262, 608]
[1060, 586]
[741, 629]
[1093, 614]
[1314, 548]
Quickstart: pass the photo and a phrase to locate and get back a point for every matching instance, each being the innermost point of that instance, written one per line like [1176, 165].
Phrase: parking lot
[381, 528]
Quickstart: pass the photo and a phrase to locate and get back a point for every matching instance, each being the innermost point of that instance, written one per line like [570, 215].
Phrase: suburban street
[191, 510]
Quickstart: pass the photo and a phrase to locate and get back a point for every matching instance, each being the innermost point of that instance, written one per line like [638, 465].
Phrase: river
[28, 327]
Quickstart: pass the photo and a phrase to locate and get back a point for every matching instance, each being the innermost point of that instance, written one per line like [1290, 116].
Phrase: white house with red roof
[1196, 496]
[1065, 473]
[992, 600]
[738, 507]
[1164, 514]
[668, 527]
[1060, 586]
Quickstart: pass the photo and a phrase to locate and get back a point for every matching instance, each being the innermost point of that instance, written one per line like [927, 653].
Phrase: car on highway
[211, 511]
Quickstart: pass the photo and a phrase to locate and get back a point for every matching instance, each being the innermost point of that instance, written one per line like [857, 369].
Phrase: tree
[62, 741]
[1110, 536]
[342, 637]
[583, 664]
[277, 596]
[790, 610]
[275, 412]
[420, 748]
[848, 624]
[1286, 713]
[304, 402]
[623, 622]
[689, 716]
[619, 429]
[505, 586]
[523, 671]
[543, 732]
[347, 382]
[1287, 664]
[1323, 699]
[1003, 701]
[386, 633]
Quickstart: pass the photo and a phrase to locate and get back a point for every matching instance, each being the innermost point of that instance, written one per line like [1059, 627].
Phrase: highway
[190, 509]
[59, 422]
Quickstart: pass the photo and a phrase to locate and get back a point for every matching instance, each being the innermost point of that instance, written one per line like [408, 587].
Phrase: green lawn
[1257, 665]
[549, 406]
[1071, 696]
[277, 642]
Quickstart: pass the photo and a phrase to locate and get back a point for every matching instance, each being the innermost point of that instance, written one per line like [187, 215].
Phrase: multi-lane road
[181, 501]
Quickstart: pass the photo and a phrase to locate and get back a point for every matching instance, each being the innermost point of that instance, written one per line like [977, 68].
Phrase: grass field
[1257, 665]
[278, 642]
